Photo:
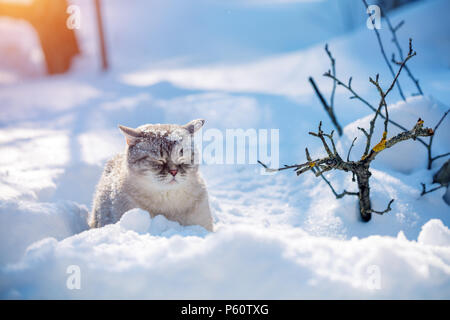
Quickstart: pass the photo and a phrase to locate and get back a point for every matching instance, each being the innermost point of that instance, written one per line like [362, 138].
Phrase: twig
[424, 191]
[440, 156]
[357, 96]
[383, 103]
[333, 68]
[386, 210]
[350, 150]
[400, 51]
[415, 132]
[328, 108]
[384, 53]
[337, 195]
[430, 157]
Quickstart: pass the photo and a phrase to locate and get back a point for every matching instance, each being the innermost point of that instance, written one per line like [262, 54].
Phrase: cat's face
[162, 153]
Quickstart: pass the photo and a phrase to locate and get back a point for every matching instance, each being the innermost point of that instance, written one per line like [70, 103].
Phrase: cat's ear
[131, 135]
[194, 125]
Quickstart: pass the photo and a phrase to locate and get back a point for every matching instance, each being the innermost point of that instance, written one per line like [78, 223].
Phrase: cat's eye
[158, 163]
[142, 158]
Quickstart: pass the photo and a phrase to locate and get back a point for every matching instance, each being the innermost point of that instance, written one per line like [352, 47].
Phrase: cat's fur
[143, 177]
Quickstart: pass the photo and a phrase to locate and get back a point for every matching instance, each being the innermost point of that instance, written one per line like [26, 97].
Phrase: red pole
[101, 35]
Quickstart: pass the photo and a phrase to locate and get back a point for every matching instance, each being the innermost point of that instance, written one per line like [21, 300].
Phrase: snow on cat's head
[163, 154]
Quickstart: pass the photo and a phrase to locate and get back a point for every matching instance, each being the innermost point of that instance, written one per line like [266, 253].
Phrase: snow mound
[139, 221]
[406, 156]
[24, 222]
[136, 220]
[239, 262]
[434, 233]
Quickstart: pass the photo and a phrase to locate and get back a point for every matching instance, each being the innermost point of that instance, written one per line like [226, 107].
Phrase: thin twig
[383, 52]
[386, 210]
[400, 51]
[333, 68]
[350, 150]
[364, 101]
[328, 108]
[430, 157]
[382, 103]
[425, 191]
[337, 195]
[440, 156]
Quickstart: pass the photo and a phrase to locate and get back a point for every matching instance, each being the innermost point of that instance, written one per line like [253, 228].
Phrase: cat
[157, 173]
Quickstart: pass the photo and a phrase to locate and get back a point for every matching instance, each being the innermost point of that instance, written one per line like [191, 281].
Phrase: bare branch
[430, 144]
[350, 150]
[442, 119]
[364, 101]
[425, 191]
[320, 173]
[380, 43]
[330, 137]
[415, 132]
[374, 119]
[295, 166]
[440, 156]
[383, 103]
[385, 210]
[333, 69]
[328, 108]
[411, 53]
[400, 51]
[364, 131]
[320, 135]
[398, 26]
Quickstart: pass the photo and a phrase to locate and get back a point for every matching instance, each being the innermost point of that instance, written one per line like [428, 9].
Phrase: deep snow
[277, 236]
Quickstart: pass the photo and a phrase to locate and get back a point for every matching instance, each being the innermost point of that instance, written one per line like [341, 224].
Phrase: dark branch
[350, 150]
[415, 132]
[333, 69]
[385, 210]
[337, 195]
[380, 43]
[383, 103]
[400, 51]
[440, 156]
[357, 96]
[328, 108]
[425, 191]
[430, 144]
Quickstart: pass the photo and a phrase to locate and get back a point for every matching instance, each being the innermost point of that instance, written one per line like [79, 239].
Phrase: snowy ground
[278, 236]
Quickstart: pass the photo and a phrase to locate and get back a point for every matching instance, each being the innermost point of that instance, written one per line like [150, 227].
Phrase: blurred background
[159, 33]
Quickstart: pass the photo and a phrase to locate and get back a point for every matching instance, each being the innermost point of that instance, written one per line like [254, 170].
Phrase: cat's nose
[173, 172]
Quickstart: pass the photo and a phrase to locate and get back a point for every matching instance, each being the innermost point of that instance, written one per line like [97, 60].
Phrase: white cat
[156, 173]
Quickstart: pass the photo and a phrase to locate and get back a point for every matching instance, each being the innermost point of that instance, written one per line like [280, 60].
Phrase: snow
[278, 236]
[136, 220]
[24, 222]
[238, 262]
[434, 233]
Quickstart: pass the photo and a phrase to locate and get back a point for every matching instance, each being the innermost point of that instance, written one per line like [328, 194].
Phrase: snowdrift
[140, 257]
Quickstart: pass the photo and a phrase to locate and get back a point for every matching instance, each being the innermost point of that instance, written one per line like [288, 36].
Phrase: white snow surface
[235, 262]
[278, 236]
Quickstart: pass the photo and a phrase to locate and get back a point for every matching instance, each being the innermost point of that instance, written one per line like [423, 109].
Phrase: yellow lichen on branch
[382, 144]
[312, 164]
